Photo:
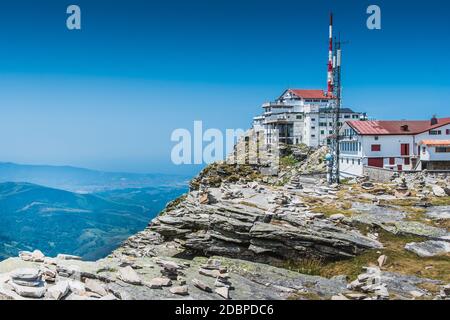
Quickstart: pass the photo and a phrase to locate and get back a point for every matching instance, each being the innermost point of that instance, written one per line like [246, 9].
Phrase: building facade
[301, 116]
[394, 145]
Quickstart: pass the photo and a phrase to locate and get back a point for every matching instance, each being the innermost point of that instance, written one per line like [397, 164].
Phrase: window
[435, 132]
[330, 132]
[442, 149]
[355, 116]
[322, 131]
[313, 128]
[323, 124]
[347, 116]
[447, 132]
[347, 160]
[424, 149]
[391, 161]
[404, 149]
[313, 136]
[376, 138]
[407, 161]
[353, 161]
[299, 117]
[376, 147]
[359, 162]
[313, 119]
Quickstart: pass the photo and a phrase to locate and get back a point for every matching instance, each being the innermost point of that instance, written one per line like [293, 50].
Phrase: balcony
[276, 105]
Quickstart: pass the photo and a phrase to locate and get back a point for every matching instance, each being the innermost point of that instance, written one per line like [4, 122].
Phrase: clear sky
[108, 97]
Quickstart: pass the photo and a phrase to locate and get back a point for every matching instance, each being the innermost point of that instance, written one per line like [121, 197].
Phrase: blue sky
[108, 97]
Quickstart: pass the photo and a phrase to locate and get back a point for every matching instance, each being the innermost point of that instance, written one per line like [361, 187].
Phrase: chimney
[405, 128]
[434, 121]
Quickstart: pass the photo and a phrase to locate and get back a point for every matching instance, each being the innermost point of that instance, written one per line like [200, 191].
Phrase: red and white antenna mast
[330, 58]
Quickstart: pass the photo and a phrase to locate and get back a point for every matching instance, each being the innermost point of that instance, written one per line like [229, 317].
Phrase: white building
[394, 145]
[301, 116]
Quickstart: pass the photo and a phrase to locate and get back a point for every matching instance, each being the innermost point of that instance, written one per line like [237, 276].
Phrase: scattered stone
[201, 285]
[109, 297]
[158, 283]
[382, 260]
[130, 276]
[180, 290]
[438, 191]
[224, 292]
[367, 186]
[38, 256]
[95, 287]
[337, 217]
[416, 294]
[339, 297]
[356, 296]
[59, 290]
[67, 257]
[77, 287]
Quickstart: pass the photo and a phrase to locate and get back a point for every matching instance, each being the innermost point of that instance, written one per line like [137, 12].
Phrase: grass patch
[311, 266]
[249, 204]
[304, 296]
[444, 201]
[329, 209]
[399, 260]
[288, 161]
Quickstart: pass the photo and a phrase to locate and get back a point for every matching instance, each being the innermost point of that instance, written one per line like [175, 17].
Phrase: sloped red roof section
[311, 94]
[436, 143]
[404, 127]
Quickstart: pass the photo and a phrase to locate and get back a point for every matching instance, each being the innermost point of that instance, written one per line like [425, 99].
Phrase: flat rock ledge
[261, 231]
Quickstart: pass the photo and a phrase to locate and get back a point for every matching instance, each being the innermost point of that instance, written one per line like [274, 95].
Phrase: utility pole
[337, 62]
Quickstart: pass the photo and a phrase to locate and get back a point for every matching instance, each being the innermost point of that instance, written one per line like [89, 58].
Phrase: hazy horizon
[109, 96]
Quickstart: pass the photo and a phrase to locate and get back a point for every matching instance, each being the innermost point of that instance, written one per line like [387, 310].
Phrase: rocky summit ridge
[238, 234]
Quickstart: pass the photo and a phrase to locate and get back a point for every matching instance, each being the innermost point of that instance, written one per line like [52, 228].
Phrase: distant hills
[83, 180]
[77, 211]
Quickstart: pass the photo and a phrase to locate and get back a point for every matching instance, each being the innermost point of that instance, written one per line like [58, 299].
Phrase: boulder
[95, 287]
[438, 191]
[59, 290]
[77, 287]
[429, 248]
[38, 256]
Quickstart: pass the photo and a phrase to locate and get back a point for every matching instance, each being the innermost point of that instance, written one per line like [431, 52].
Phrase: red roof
[436, 143]
[311, 94]
[404, 127]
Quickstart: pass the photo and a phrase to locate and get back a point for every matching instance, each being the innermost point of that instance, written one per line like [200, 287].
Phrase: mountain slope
[89, 225]
[82, 180]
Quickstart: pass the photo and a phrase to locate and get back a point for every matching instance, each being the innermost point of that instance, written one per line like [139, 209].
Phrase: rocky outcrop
[249, 227]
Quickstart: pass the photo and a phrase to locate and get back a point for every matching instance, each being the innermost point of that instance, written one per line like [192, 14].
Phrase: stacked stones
[214, 269]
[370, 283]
[230, 194]
[294, 184]
[27, 282]
[51, 279]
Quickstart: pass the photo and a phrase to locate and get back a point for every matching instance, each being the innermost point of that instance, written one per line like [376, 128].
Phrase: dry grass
[311, 266]
[399, 260]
